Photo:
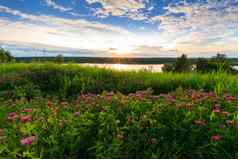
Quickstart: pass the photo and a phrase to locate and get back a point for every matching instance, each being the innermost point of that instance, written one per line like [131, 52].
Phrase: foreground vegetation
[178, 125]
[69, 111]
[66, 81]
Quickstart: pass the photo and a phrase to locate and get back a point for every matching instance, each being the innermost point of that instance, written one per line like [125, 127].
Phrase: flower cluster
[125, 125]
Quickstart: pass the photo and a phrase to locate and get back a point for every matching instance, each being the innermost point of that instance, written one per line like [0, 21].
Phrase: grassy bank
[71, 80]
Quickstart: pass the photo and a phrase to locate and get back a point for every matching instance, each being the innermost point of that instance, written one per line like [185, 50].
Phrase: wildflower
[28, 140]
[77, 114]
[217, 106]
[229, 97]
[12, 116]
[199, 122]
[109, 96]
[27, 110]
[169, 98]
[217, 111]
[25, 119]
[216, 138]
[230, 122]
[211, 94]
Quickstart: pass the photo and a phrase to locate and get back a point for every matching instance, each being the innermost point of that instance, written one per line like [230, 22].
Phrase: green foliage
[71, 80]
[169, 67]
[5, 56]
[179, 125]
[216, 64]
[59, 59]
[183, 64]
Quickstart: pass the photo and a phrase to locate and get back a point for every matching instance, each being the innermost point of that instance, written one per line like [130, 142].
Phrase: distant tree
[168, 67]
[202, 65]
[217, 63]
[59, 59]
[5, 56]
[183, 64]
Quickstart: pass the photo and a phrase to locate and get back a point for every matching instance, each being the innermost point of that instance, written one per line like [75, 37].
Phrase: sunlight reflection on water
[129, 67]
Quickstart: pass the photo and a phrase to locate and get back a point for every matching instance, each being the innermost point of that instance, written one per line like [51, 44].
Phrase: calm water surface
[132, 67]
[129, 67]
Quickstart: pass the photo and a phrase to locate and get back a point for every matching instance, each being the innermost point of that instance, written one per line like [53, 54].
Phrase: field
[69, 111]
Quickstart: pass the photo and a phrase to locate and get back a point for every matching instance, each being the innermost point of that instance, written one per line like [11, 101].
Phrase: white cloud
[200, 25]
[126, 8]
[53, 4]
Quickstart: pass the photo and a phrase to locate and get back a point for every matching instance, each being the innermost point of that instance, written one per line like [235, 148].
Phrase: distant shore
[114, 60]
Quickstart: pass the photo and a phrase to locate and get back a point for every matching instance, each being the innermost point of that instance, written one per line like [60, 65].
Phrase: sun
[120, 51]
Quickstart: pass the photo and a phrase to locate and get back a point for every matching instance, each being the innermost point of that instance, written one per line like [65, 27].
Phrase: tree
[59, 59]
[5, 56]
[202, 65]
[168, 67]
[183, 64]
[217, 63]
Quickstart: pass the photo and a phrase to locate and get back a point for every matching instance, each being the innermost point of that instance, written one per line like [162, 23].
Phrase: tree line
[203, 65]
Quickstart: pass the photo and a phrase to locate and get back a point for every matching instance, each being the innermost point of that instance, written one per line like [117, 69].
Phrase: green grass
[71, 80]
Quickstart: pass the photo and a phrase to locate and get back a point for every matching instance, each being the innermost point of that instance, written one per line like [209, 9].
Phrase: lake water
[132, 67]
[129, 67]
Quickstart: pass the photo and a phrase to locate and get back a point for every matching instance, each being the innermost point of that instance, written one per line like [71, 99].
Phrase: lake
[131, 67]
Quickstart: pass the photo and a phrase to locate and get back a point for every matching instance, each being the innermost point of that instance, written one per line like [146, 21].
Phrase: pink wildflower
[199, 122]
[216, 138]
[12, 116]
[25, 119]
[77, 114]
[28, 140]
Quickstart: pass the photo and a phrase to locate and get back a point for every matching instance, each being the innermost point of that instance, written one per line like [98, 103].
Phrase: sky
[119, 28]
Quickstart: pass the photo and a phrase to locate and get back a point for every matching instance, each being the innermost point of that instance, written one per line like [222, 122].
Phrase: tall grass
[73, 79]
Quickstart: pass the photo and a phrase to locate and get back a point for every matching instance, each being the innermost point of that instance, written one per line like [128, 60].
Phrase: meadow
[52, 111]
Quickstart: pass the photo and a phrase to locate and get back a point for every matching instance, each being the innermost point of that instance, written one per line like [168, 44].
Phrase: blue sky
[132, 28]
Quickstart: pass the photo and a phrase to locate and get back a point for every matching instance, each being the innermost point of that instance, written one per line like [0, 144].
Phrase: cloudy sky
[133, 28]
